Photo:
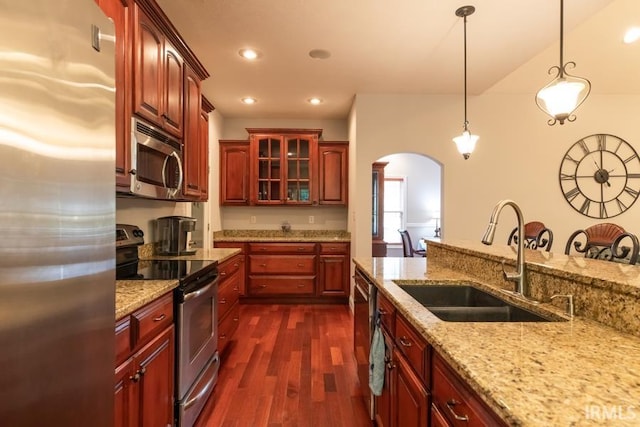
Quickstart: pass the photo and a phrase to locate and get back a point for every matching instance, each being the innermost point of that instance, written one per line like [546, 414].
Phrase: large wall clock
[600, 176]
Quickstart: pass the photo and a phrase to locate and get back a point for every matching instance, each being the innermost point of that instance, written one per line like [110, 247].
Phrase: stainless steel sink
[465, 303]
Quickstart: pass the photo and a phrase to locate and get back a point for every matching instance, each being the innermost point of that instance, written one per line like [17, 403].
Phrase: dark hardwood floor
[291, 365]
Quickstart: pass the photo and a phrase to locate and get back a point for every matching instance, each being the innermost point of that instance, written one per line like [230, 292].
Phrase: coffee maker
[174, 235]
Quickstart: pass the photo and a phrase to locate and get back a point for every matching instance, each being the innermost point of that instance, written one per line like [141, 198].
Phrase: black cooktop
[183, 270]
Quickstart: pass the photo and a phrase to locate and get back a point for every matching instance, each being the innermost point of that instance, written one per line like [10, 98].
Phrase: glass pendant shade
[466, 143]
[562, 96]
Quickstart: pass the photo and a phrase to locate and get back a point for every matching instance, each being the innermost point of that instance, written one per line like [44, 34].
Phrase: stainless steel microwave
[156, 162]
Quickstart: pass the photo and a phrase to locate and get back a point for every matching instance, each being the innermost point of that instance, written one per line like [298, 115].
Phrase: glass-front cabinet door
[285, 168]
[269, 169]
[298, 170]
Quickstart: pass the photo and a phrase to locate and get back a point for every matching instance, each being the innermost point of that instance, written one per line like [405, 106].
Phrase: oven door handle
[200, 291]
[202, 392]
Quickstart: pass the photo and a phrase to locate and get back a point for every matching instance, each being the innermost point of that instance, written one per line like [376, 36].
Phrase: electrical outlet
[253, 219]
[312, 219]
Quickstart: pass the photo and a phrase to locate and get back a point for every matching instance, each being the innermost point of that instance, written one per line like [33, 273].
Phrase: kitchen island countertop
[571, 373]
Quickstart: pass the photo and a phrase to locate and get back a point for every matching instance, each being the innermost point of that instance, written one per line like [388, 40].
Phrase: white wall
[517, 157]
[142, 212]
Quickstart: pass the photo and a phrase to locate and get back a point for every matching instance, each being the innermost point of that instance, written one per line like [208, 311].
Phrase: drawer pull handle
[300, 265]
[235, 319]
[223, 301]
[301, 285]
[405, 342]
[263, 249]
[263, 265]
[160, 318]
[235, 288]
[300, 249]
[262, 286]
[450, 404]
[235, 264]
[223, 337]
[382, 311]
[223, 273]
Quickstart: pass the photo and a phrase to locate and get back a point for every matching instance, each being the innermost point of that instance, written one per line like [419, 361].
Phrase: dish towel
[376, 359]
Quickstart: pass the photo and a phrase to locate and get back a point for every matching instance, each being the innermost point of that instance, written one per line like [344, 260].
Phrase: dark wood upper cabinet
[234, 173]
[279, 167]
[157, 76]
[333, 166]
[192, 153]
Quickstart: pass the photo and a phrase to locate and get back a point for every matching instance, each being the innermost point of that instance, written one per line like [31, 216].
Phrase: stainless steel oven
[197, 344]
[156, 162]
[196, 314]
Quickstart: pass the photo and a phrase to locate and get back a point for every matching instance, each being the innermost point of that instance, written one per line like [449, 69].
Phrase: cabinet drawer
[228, 326]
[387, 312]
[282, 264]
[455, 400]
[151, 319]
[334, 248]
[281, 285]
[282, 248]
[123, 339]
[437, 419]
[228, 294]
[413, 347]
[230, 266]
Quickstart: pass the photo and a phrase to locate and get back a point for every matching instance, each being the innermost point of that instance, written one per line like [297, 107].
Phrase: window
[395, 190]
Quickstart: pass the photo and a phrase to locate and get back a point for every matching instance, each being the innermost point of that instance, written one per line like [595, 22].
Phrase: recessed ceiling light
[248, 100]
[249, 54]
[632, 35]
[314, 101]
[319, 54]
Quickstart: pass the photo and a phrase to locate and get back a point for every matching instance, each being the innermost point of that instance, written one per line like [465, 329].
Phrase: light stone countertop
[266, 236]
[133, 294]
[571, 373]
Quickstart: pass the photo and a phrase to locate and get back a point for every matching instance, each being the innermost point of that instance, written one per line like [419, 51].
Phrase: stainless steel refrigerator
[57, 214]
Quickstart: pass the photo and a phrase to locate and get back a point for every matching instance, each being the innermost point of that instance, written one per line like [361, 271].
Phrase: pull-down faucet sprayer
[520, 275]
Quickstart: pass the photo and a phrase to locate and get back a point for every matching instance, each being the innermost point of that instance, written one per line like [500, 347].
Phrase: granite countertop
[133, 294]
[570, 373]
[282, 236]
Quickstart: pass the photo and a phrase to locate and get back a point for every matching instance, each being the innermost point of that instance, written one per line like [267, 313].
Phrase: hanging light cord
[466, 123]
[561, 38]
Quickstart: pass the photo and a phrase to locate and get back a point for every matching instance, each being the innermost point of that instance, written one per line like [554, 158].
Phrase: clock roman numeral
[567, 177]
[584, 147]
[618, 146]
[603, 210]
[631, 157]
[571, 194]
[584, 209]
[602, 142]
[621, 205]
[630, 191]
[571, 159]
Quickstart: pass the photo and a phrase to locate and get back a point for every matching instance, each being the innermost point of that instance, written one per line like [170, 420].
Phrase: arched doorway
[412, 200]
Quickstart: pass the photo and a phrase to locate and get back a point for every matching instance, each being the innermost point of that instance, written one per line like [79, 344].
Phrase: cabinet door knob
[223, 301]
[223, 273]
[135, 378]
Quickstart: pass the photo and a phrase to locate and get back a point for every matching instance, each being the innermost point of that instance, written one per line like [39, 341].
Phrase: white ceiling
[379, 46]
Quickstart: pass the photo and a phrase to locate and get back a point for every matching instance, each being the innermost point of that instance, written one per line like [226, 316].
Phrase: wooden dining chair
[407, 246]
[536, 236]
[605, 241]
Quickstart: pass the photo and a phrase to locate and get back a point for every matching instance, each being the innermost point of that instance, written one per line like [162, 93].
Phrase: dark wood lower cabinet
[411, 399]
[144, 384]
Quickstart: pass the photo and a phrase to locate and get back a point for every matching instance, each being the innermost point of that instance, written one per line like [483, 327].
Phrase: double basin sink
[466, 303]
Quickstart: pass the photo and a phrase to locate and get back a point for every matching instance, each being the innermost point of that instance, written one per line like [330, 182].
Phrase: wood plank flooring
[291, 365]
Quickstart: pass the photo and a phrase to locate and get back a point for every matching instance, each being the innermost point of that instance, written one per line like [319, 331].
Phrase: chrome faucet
[519, 276]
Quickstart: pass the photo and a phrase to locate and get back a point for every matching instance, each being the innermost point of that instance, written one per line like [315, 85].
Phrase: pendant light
[565, 93]
[465, 142]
